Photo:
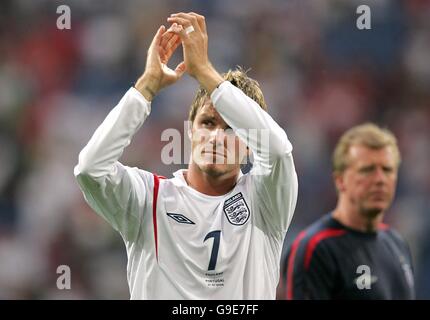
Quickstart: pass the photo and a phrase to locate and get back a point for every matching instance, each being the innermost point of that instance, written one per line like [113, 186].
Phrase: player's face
[369, 182]
[216, 149]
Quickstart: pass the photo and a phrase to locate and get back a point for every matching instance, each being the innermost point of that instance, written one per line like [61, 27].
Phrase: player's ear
[339, 181]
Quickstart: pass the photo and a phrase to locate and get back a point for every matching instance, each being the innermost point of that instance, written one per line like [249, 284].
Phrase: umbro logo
[180, 218]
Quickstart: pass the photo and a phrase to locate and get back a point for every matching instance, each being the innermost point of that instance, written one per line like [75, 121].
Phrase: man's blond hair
[368, 135]
[238, 78]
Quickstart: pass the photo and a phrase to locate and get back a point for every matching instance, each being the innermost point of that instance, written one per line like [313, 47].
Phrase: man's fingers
[157, 38]
[174, 45]
[200, 20]
[167, 35]
[180, 69]
[167, 44]
[180, 31]
[170, 50]
[185, 20]
[155, 51]
[173, 40]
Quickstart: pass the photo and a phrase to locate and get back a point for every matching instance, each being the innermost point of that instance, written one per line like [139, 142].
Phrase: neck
[208, 184]
[356, 220]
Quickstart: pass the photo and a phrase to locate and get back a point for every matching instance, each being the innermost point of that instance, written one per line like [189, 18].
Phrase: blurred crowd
[319, 73]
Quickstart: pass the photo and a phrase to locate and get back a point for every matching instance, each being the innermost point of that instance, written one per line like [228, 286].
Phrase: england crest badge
[236, 209]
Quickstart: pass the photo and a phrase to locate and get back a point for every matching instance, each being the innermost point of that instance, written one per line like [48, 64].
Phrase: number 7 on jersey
[214, 255]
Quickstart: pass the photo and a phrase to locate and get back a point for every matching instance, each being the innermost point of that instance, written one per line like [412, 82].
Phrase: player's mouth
[215, 153]
[378, 195]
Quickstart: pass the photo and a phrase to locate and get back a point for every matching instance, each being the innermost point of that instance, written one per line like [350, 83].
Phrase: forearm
[113, 135]
[148, 86]
[209, 78]
[242, 114]
[273, 173]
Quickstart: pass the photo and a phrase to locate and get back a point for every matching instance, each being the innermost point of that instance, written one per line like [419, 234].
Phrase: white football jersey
[183, 244]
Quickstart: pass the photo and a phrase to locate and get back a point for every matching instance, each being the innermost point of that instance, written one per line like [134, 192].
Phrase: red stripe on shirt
[154, 210]
[291, 259]
[317, 238]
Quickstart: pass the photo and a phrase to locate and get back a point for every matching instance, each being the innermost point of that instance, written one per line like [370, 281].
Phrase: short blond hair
[369, 135]
[238, 78]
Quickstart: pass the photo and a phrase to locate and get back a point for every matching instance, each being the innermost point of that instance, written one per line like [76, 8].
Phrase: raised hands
[157, 74]
[190, 30]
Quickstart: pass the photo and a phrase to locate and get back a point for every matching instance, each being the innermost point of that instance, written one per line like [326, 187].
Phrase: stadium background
[319, 73]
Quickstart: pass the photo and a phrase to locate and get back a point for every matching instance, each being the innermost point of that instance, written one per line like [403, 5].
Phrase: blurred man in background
[349, 253]
[210, 232]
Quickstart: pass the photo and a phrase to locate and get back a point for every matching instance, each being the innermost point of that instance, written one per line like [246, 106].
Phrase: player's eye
[207, 122]
[388, 169]
[367, 169]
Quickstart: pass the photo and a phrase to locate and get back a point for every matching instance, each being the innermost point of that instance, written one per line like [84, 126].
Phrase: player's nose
[380, 176]
[217, 136]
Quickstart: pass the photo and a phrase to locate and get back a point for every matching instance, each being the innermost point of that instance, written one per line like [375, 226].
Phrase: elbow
[81, 168]
[93, 167]
[84, 166]
[281, 146]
